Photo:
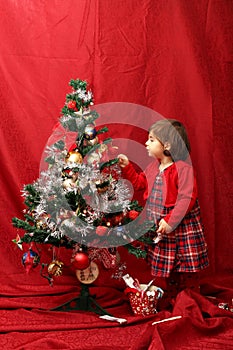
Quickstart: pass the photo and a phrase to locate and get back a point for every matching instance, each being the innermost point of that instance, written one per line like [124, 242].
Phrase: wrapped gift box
[144, 301]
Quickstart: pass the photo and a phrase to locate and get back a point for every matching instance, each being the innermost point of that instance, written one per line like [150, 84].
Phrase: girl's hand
[123, 160]
[164, 227]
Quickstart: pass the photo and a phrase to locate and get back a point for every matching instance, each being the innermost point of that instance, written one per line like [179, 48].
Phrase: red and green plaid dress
[182, 250]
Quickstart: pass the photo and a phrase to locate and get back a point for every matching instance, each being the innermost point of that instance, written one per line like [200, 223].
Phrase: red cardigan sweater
[179, 188]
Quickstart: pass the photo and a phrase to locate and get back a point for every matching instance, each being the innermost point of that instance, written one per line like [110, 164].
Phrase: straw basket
[144, 302]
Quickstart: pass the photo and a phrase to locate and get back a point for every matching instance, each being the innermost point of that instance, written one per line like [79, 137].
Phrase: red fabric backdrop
[173, 56]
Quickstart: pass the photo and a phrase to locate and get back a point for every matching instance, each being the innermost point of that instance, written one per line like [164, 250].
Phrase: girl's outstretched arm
[138, 179]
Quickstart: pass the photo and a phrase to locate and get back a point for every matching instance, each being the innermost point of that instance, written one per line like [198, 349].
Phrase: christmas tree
[80, 201]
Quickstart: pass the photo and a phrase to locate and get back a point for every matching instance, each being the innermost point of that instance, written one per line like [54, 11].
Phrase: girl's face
[154, 147]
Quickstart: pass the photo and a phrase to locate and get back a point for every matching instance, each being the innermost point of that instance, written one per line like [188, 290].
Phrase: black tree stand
[84, 302]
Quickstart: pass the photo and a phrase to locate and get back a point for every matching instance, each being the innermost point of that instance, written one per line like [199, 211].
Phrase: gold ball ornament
[42, 221]
[40, 224]
[55, 268]
[74, 157]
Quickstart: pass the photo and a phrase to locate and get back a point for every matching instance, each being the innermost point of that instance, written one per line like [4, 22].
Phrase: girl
[170, 189]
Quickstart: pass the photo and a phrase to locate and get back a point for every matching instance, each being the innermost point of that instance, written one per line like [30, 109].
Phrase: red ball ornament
[101, 230]
[81, 261]
[72, 105]
[133, 214]
[117, 220]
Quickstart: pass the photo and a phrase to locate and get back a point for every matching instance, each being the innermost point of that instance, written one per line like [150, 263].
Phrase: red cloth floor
[27, 322]
[202, 326]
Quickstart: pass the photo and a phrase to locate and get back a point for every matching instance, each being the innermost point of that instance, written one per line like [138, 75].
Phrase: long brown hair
[173, 132]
